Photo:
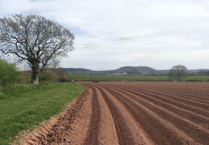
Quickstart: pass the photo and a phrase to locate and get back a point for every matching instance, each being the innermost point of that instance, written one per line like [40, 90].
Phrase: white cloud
[151, 33]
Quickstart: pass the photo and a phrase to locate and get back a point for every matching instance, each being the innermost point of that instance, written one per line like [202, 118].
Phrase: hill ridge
[127, 70]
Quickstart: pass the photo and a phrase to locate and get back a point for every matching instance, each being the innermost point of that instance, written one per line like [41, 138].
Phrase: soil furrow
[105, 128]
[178, 95]
[159, 130]
[194, 117]
[91, 135]
[198, 133]
[173, 102]
[127, 129]
[187, 96]
[192, 92]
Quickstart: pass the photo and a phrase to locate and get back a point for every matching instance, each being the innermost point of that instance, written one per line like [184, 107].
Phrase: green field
[131, 78]
[27, 105]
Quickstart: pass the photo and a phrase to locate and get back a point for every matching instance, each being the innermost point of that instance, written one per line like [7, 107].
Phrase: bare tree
[178, 72]
[35, 40]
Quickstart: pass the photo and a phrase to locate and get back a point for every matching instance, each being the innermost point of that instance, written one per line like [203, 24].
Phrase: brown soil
[142, 113]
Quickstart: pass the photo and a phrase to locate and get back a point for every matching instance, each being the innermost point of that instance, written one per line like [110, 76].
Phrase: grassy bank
[27, 105]
[133, 78]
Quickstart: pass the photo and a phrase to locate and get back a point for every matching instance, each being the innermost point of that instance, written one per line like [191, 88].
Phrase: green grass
[133, 78]
[27, 105]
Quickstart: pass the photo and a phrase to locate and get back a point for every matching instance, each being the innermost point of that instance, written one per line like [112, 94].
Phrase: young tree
[35, 40]
[178, 72]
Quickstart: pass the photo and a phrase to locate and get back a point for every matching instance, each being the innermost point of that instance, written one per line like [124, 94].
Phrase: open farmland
[85, 77]
[132, 113]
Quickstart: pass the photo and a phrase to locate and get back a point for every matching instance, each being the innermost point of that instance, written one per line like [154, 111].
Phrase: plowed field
[143, 113]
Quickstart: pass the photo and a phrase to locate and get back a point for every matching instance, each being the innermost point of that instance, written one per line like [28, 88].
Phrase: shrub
[64, 79]
[47, 76]
[59, 72]
[24, 77]
[2, 96]
[8, 74]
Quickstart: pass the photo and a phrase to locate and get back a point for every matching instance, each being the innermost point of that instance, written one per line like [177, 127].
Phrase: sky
[110, 34]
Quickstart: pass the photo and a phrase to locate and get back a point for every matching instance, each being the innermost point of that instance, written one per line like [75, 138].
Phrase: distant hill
[77, 70]
[139, 69]
[127, 70]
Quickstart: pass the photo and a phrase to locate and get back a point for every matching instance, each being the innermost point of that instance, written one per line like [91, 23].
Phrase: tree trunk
[35, 75]
[36, 79]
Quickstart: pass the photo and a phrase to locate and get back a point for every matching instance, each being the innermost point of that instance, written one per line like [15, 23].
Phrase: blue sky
[113, 33]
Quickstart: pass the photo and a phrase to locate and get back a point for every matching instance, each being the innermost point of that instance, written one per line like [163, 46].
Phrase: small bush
[8, 74]
[2, 96]
[47, 76]
[24, 77]
[59, 72]
[63, 79]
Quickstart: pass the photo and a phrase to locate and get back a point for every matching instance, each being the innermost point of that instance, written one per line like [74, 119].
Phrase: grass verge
[24, 106]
